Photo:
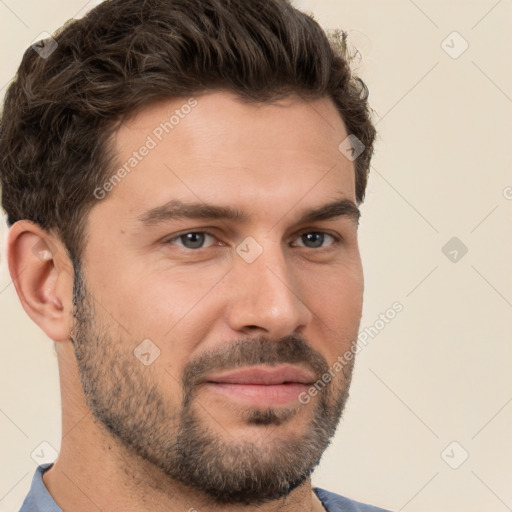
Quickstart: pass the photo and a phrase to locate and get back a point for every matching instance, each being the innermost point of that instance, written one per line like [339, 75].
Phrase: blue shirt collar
[38, 498]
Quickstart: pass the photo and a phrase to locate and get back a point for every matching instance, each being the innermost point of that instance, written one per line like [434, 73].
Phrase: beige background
[440, 371]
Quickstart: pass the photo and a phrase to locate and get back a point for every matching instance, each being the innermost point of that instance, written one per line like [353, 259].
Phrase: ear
[42, 274]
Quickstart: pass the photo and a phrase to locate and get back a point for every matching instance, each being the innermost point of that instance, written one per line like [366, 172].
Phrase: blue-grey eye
[315, 239]
[193, 240]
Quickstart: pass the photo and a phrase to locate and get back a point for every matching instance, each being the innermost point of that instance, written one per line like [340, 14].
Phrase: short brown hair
[61, 111]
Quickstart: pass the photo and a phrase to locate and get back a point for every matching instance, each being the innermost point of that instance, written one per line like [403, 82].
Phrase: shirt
[39, 499]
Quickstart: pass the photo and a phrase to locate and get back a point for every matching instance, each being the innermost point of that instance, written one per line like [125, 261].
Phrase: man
[182, 181]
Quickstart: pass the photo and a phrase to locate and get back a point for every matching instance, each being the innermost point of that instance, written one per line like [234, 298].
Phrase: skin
[271, 161]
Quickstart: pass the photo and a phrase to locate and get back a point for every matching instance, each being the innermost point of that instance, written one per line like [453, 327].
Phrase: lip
[262, 386]
[265, 376]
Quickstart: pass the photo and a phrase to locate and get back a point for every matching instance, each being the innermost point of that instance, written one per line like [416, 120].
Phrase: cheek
[176, 310]
[177, 299]
[153, 299]
[334, 287]
[335, 296]
[341, 309]
[167, 309]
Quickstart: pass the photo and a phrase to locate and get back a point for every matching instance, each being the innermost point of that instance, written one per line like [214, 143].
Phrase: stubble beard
[132, 408]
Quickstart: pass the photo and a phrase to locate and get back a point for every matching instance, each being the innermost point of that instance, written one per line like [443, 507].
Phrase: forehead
[220, 150]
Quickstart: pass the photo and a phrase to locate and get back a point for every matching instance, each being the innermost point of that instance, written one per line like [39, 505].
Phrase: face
[220, 283]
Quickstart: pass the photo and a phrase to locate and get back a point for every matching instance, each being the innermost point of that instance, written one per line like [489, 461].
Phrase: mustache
[291, 349]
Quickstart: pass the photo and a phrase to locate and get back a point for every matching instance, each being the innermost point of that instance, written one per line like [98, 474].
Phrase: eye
[193, 240]
[315, 240]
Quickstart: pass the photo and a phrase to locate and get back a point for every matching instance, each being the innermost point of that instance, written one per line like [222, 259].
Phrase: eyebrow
[176, 209]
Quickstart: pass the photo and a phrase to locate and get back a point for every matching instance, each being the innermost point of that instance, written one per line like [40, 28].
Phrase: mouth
[262, 386]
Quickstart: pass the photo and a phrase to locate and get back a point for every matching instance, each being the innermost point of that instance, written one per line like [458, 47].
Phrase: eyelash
[336, 238]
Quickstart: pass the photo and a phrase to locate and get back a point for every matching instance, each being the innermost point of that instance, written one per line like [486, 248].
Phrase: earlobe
[43, 277]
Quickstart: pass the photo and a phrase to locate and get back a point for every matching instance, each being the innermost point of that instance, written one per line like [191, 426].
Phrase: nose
[266, 298]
